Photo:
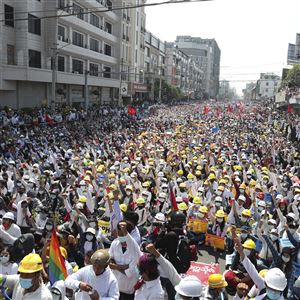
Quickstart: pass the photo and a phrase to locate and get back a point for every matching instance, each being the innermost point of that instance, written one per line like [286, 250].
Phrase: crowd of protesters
[134, 198]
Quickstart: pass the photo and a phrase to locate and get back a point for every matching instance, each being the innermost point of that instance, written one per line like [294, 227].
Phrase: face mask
[122, 239]
[273, 295]
[273, 237]
[201, 215]
[292, 230]
[219, 220]
[218, 204]
[177, 297]
[243, 219]
[89, 237]
[128, 193]
[244, 235]
[219, 193]
[4, 259]
[248, 177]
[93, 224]
[25, 283]
[260, 209]
[247, 252]
[242, 192]
[6, 225]
[285, 258]
[48, 227]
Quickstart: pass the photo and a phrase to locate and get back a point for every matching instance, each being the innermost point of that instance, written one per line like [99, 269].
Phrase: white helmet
[162, 196]
[179, 199]
[201, 189]
[261, 203]
[276, 280]
[160, 174]
[179, 180]
[242, 198]
[279, 197]
[82, 183]
[160, 217]
[189, 286]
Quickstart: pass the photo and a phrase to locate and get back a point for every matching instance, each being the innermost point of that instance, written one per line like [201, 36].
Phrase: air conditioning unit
[60, 38]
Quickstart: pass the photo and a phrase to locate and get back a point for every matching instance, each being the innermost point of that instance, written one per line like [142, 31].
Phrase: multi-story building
[80, 38]
[155, 52]
[268, 85]
[249, 91]
[183, 72]
[132, 52]
[293, 56]
[206, 54]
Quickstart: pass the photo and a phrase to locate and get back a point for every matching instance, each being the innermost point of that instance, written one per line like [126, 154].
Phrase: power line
[108, 9]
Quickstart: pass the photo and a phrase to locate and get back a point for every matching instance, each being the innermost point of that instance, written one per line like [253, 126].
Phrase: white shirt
[150, 290]
[14, 230]
[105, 284]
[129, 257]
[135, 233]
[9, 268]
[12, 282]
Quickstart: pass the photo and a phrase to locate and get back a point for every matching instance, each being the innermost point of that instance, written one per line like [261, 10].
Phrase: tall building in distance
[206, 54]
[268, 85]
[293, 56]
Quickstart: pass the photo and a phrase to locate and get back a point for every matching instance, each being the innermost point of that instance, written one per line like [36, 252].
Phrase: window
[35, 60]
[94, 45]
[267, 83]
[61, 63]
[11, 55]
[77, 66]
[94, 20]
[108, 27]
[77, 39]
[61, 33]
[107, 50]
[78, 11]
[107, 72]
[61, 4]
[34, 24]
[108, 4]
[267, 90]
[9, 15]
[94, 69]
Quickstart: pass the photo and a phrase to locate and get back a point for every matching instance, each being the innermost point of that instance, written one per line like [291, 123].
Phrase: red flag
[254, 109]
[206, 110]
[218, 112]
[172, 198]
[48, 119]
[131, 111]
[229, 108]
[289, 109]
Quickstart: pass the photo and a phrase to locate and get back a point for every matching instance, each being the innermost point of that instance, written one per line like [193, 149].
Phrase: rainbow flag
[57, 268]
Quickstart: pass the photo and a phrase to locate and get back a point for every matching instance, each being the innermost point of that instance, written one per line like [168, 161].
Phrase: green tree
[292, 79]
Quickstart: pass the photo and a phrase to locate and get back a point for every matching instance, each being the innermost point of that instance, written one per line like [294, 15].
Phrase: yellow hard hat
[265, 177]
[190, 176]
[212, 168]
[197, 200]
[146, 184]
[82, 199]
[211, 176]
[126, 170]
[89, 172]
[220, 214]
[221, 188]
[87, 156]
[140, 201]
[203, 209]
[253, 182]
[249, 244]
[100, 169]
[113, 187]
[180, 172]
[263, 273]
[87, 178]
[123, 207]
[264, 169]
[199, 168]
[112, 175]
[198, 173]
[31, 263]
[110, 196]
[246, 213]
[217, 281]
[129, 188]
[264, 173]
[243, 186]
[254, 161]
[222, 181]
[182, 185]
[182, 206]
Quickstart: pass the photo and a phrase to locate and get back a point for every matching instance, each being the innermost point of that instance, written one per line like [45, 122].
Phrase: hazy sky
[253, 35]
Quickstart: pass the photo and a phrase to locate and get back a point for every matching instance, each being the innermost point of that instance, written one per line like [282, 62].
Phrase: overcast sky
[253, 35]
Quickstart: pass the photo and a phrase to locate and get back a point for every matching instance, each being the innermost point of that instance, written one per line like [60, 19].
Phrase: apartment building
[81, 38]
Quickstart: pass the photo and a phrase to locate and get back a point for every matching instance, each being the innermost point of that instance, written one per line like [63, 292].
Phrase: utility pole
[120, 89]
[54, 74]
[159, 91]
[86, 90]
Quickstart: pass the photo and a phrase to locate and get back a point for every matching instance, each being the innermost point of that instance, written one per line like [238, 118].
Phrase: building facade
[206, 54]
[268, 85]
[80, 39]
[293, 56]
[183, 72]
